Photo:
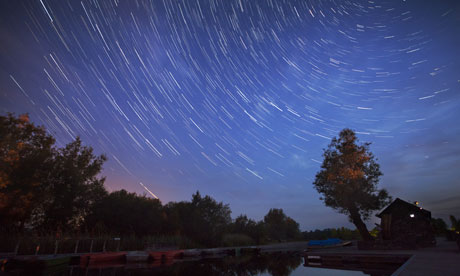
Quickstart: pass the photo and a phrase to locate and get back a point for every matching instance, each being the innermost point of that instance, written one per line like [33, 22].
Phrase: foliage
[73, 186]
[348, 180]
[41, 185]
[203, 219]
[255, 230]
[439, 226]
[237, 240]
[340, 233]
[281, 227]
[127, 214]
[375, 232]
[26, 153]
[59, 190]
[455, 224]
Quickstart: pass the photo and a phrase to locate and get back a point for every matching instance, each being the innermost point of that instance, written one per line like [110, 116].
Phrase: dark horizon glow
[237, 99]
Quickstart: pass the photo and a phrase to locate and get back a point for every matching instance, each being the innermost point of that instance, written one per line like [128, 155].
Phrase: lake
[276, 264]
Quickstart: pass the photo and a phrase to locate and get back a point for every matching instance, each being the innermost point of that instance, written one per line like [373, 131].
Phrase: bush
[237, 240]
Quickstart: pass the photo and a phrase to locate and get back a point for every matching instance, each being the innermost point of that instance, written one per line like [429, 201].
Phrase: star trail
[237, 99]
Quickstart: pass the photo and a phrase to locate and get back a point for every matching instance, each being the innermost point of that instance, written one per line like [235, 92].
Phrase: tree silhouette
[26, 153]
[41, 185]
[73, 186]
[279, 226]
[126, 213]
[348, 180]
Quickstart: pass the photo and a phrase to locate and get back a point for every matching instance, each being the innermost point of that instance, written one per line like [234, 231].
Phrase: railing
[65, 246]
[36, 245]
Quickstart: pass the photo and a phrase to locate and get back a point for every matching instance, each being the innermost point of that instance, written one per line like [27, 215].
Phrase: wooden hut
[406, 225]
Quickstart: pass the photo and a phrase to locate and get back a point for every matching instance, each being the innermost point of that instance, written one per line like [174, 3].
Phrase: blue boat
[327, 243]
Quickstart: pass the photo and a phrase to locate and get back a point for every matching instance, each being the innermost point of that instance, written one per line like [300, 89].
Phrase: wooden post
[91, 246]
[118, 243]
[56, 245]
[103, 246]
[16, 248]
[37, 248]
[76, 246]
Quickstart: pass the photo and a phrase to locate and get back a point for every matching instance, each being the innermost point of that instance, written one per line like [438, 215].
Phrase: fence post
[56, 245]
[76, 247]
[16, 248]
[37, 248]
[103, 246]
[118, 243]
[91, 246]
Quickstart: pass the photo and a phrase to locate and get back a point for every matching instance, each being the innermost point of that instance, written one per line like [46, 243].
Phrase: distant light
[412, 215]
[416, 203]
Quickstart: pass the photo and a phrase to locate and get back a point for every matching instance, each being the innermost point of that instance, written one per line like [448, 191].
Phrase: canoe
[103, 257]
[212, 252]
[55, 261]
[328, 243]
[137, 256]
[166, 255]
[192, 252]
[38, 262]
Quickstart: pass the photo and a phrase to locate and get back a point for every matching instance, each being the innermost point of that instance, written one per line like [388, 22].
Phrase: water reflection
[276, 264]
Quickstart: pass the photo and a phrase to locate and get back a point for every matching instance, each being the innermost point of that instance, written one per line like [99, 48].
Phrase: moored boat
[137, 256]
[192, 252]
[38, 262]
[166, 255]
[94, 258]
[328, 243]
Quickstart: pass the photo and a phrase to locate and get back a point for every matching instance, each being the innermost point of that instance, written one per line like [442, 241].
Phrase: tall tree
[279, 226]
[211, 218]
[127, 213]
[26, 155]
[203, 219]
[74, 186]
[348, 180]
[439, 226]
[274, 221]
[454, 223]
[244, 225]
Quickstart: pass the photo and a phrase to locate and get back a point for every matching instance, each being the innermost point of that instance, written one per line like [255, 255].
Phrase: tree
[244, 225]
[41, 185]
[348, 180]
[203, 220]
[26, 154]
[211, 219]
[73, 186]
[455, 224]
[439, 226]
[127, 213]
[279, 226]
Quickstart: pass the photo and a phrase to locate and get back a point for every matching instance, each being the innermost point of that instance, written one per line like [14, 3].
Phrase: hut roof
[399, 203]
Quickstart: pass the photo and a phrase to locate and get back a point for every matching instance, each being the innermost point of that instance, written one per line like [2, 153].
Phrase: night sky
[237, 99]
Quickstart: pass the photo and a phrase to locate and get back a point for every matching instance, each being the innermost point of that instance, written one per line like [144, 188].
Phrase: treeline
[202, 219]
[44, 188]
[440, 227]
[340, 233]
